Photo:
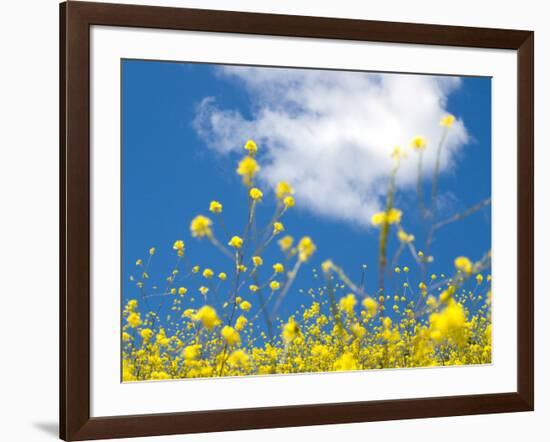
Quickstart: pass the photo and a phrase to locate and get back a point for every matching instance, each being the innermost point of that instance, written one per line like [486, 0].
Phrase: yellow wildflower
[449, 323]
[191, 352]
[404, 237]
[290, 330]
[203, 290]
[222, 276]
[256, 194]
[146, 334]
[371, 305]
[251, 147]
[238, 358]
[208, 273]
[283, 189]
[182, 291]
[240, 323]
[134, 320]
[248, 168]
[464, 265]
[418, 143]
[358, 330]
[286, 242]
[200, 226]
[215, 207]
[347, 304]
[208, 316]
[257, 260]
[289, 201]
[245, 306]
[231, 335]
[274, 285]
[306, 248]
[345, 362]
[253, 288]
[152, 251]
[236, 242]
[447, 121]
[327, 265]
[278, 267]
[278, 228]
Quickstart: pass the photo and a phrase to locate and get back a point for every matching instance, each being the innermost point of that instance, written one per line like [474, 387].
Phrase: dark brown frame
[75, 21]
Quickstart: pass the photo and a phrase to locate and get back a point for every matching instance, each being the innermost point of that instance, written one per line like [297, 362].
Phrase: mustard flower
[479, 278]
[203, 290]
[278, 267]
[207, 273]
[404, 237]
[146, 334]
[152, 251]
[447, 121]
[257, 260]
[394, 216]
[134, 320]
[196, 269]
[358, 330]
[327, 266]
[274, 285]
[253, 288]
[208, 317]
[346, 362]
[182, 291]
[306, 248]
[286, 242]
[215, 207]
[236, 242]
[238, 358]
[283, 189]
[248, 168]
[418, 143]
[201, 226]
[371, 305]
[251, 147]
[222, 276]
[449, 323]
[191, 352]
[240, 323]
[278, 227]
[290, 330]
[230, 335]
[256, 194]
[245, 306]
[347, 304]
[289, 201]
[464, 265]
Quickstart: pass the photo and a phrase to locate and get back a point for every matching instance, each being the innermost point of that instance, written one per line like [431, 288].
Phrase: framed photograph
[272, 221]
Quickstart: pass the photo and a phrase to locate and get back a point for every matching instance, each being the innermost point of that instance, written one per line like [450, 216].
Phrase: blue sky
[171, 171]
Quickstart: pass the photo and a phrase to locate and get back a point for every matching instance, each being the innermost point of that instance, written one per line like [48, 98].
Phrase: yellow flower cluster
[230, 325]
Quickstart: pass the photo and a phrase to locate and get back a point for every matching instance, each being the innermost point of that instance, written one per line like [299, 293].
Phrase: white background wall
[29, 216]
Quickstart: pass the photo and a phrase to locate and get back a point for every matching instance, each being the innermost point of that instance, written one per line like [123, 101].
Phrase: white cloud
[330, 134]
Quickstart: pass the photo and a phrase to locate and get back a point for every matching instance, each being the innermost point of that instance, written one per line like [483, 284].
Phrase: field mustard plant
[236, 328]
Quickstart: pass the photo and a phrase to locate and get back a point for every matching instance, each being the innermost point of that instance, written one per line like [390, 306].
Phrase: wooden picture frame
[75, 21]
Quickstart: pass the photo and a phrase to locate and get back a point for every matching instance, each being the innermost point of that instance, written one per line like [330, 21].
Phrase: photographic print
[284, 220]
